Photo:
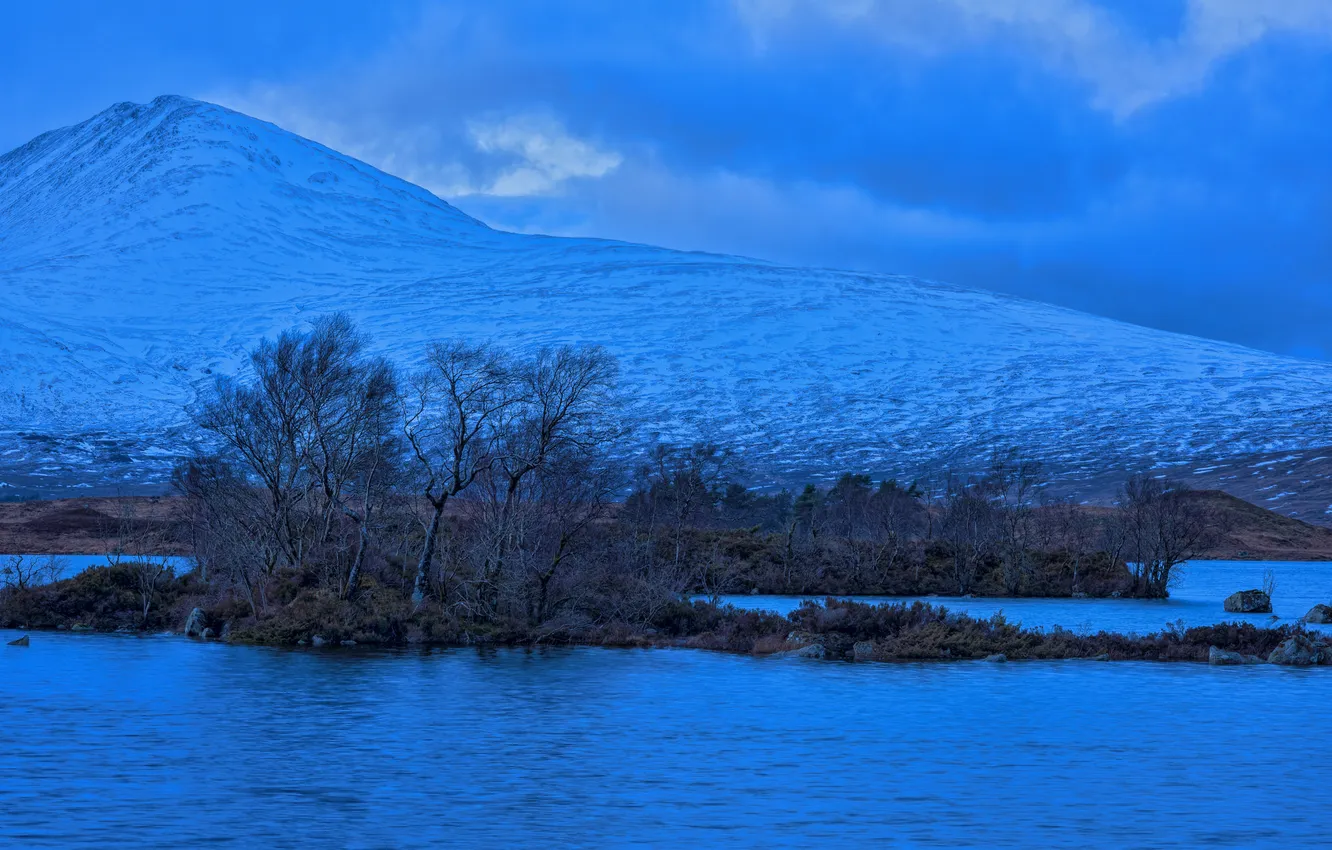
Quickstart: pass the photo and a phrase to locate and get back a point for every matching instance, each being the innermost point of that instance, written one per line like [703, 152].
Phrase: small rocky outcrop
[317, 640]
[1248, 602]
[997, 658]
[1319, 615]
[208, 634]
[194, 624]
[862, 650]
[23, 641]
[1219, 657]
[1300, 651]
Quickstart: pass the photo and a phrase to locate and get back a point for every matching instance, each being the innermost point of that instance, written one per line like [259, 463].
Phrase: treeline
[490, 493]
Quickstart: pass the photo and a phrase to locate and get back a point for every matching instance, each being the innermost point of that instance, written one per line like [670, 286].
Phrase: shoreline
[835, 630]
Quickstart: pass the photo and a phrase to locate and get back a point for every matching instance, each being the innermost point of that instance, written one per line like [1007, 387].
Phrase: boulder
[80, 627]
[1104, 656]
[347, 643]
[813, 650]
[1219, 657]
[1300, 651]
[208, 634]
[862, 650]
[23, 641]
[997, 658]
[194, 624]
[1078, 594]
[317, 640]
[1319, 615]
[226, 630]
[1248, 602]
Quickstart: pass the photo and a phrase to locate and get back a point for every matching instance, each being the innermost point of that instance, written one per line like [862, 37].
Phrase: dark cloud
[1189, 190]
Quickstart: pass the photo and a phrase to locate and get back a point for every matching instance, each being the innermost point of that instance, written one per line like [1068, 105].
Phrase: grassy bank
[108, 599]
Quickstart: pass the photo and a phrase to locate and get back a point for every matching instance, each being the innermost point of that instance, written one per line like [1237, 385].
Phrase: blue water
[72, 564]
[112, 740]
[1195, 599]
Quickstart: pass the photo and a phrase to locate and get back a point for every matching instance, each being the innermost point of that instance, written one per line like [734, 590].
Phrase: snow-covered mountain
[146, 249]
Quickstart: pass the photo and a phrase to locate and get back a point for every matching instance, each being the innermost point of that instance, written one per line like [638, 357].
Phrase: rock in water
[862, 650]
[317, 640]
[194, 624]
[1319, 614]
[997, 658]
[208, 634]
[1223, 657]
[1248, 602]
[23, 641]
[1300, 651]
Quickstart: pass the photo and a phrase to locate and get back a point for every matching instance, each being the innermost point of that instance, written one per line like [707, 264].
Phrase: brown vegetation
[91, 526]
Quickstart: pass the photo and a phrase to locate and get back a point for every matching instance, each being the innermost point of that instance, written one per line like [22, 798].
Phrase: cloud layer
[1160, 161]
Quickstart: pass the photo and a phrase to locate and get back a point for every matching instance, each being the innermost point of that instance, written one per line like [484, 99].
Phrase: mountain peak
[185, 164]
[145, 250]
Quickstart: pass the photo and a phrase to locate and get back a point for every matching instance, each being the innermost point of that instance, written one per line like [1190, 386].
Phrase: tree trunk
[427, 553]
[354, 575]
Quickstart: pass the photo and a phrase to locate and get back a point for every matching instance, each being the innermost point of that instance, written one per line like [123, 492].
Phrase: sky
[1163, 162]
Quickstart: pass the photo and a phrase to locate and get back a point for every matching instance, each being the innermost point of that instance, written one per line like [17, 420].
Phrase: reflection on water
[1195, 599]
[114, 740]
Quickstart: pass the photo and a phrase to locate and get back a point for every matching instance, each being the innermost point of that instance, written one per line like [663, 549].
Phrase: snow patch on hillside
[145, 250]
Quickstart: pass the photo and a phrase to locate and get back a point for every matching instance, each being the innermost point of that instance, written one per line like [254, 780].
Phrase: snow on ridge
[147, 248]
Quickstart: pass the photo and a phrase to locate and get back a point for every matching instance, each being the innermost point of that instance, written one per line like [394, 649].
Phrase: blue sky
[1166, 162]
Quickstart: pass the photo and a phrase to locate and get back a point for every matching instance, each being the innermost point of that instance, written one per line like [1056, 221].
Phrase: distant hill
[1254, 533]
[143, 251]
[90, 525]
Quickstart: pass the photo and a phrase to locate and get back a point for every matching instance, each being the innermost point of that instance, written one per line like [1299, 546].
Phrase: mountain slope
[145, 250]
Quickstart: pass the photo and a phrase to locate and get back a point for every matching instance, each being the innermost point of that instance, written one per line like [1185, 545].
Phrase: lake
[113, 740]
[69, 565]
[1195, 599]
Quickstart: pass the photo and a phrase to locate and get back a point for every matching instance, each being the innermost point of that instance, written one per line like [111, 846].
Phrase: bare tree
[565, 403]
[230, 527]
[1069, 527]
[451, 414]
[262, 426]
[1163, 526]
[21, 572]
[1013, 483]
[685, 481]
[570, 494]
[968, 526]
[347, 403]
